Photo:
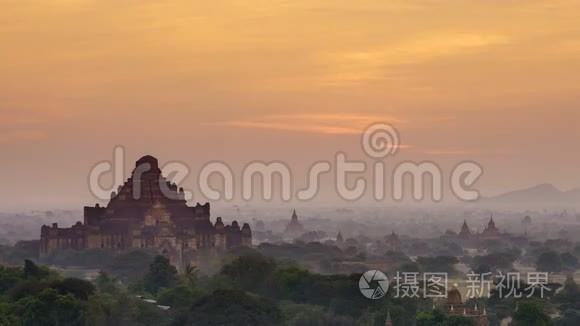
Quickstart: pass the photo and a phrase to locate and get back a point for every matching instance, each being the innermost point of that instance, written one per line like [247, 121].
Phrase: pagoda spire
[389, 321]
[465, 233]
[294, 227]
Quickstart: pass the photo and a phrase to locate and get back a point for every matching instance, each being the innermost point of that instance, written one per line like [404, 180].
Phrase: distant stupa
[339, 238]
[294, 228]
[465, 233]
[490, 232]
[393, 242]
[389, 321]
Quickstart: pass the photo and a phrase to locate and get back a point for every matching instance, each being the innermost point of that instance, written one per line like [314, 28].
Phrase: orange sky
[493, 81]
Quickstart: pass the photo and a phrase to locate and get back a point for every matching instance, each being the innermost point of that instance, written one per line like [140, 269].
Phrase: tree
[311, 315]
[570, 317]
[81, 289]
[569, 261]
[291, 283]
[148, 314]
[7, 315]
[549, 261]
[496, 260]
[190, 275]
[576, 250]
[442, 264]
[33, 271]
[570, 287]
[249, 272]
[569, 297]
[531, 314]
[482, 269]
[9, 277]
[409, 267]
[129, 266]
[50, 308]
[178, 297]
[106, 283]
[231, 307]
[430, 318]
[161, 275]
[109, 309]
[25, 289]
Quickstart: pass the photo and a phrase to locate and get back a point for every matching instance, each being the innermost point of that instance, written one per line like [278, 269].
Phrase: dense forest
[140, 288]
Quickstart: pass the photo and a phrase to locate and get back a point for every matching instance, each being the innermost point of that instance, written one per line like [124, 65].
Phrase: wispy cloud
[357, 66]
[314, 123]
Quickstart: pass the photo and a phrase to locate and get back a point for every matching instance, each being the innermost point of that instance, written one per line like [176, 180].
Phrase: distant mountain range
[541, 195]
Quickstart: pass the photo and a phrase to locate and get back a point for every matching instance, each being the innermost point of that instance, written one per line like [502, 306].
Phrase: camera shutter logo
[367, 278]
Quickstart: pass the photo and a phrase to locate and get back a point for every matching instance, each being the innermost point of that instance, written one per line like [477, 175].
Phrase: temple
[339, 238]
[490, 232]
[294, 228]
[465, 233]
[149, 212]
[393, 242]
[455, 306]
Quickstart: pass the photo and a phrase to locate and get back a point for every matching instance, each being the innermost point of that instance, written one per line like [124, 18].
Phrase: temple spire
[465, 232]
[294, 228]
[389, 321]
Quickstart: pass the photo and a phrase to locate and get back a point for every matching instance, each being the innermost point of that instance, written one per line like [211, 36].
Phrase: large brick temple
[148, 212]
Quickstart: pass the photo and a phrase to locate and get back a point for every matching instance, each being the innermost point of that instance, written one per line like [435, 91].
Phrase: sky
[496, 82]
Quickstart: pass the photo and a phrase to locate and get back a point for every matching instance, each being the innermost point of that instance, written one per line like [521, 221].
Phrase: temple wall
[93, 241]
[220, 241]
[180, 245]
